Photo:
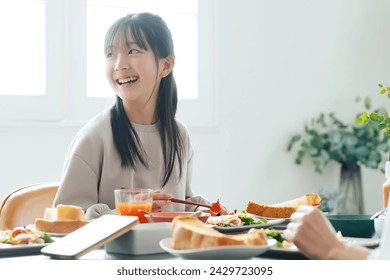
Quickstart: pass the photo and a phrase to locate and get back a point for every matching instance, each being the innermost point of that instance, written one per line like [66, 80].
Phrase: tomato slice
[216, 208]
[18, 230]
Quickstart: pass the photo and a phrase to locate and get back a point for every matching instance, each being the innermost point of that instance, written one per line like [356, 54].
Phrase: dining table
[102, 254]
[126, 239]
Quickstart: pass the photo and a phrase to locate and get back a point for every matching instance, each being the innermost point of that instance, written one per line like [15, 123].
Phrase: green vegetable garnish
[275, 235]
[248, 220]
[47, 238]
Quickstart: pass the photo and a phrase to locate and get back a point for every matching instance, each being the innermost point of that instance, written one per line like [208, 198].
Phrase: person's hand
[97, 210]
[160, 201]
[312, 233]
[224, 211]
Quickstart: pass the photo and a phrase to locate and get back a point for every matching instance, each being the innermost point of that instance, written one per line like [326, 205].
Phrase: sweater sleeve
[190, 195]
[79, 184]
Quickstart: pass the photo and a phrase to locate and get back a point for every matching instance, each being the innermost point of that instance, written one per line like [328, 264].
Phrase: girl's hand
[160, 201]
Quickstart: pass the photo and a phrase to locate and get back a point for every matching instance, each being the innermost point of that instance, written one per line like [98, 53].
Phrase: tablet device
[91, 236]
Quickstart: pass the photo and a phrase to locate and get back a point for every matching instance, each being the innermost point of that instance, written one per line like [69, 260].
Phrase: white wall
[278, 63]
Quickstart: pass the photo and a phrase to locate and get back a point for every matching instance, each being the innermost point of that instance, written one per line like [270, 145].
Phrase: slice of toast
[63, 219]
[284, 209]
[191, 233]
[58, 226]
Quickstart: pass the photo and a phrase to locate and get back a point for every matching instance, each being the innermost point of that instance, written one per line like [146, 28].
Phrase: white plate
[270, 223]
[8, 249]
[365, 242]
[52, 234]
[217, 253]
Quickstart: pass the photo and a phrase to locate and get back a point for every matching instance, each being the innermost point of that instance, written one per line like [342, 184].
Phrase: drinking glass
[129, 201]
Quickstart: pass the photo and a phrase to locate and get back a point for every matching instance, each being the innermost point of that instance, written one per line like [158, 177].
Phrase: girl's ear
[167, 66]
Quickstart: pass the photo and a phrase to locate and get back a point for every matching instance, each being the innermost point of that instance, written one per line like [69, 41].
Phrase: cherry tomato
[216, 207]
[18, 230]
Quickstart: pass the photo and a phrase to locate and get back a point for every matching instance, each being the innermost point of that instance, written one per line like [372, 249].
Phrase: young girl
[137, 143]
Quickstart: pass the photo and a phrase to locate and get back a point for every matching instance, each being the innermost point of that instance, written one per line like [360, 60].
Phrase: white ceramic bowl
[378, 224]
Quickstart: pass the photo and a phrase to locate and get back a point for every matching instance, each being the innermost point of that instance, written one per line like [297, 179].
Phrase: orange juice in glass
[129, 201]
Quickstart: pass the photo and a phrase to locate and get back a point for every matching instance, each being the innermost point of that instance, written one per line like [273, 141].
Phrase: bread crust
[312, 199]
[284, 209]
[190, 233]
[269, 211]
[58, 226]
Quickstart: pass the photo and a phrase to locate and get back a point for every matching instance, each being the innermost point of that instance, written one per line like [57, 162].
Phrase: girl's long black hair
[148, 30]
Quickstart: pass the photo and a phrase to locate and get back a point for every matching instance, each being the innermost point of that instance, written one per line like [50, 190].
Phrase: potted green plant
[327, 139]
[381, 117]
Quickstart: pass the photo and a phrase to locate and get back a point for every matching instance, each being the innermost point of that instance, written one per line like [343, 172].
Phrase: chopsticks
[189, 202]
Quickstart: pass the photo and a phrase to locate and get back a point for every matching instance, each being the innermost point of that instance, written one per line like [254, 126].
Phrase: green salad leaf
[277, 235]
[47, 238]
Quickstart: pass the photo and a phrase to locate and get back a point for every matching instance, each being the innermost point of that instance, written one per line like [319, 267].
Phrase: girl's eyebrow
[127, 44]
[131, 43]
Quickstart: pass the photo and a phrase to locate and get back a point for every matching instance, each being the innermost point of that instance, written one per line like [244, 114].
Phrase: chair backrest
[22, 206]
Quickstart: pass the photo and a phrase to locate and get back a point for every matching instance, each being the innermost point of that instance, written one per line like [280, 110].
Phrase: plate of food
[234, 252]
[239, 222]
[23, 240]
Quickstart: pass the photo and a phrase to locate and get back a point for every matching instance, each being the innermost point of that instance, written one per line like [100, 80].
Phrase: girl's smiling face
[133, 72]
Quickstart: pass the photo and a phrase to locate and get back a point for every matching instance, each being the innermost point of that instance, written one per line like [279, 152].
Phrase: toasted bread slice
[190, 233]
[284, 209]
[269, 211]
[58, 226]
[69, 212]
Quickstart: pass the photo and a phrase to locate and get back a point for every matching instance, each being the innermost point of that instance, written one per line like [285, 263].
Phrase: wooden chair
[22, 206]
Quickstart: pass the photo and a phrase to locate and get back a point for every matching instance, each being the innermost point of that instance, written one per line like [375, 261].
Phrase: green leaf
[306, 146]
[380, 85]
[325, 156]
[367, 103]
[317, 166]
[382, 126]
[293, 140]
[358, 120]
[365, 118]
[47, 238]
[383, 91]
[375, 117]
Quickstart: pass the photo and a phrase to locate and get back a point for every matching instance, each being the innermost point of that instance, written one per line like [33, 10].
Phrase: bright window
[23, 48]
